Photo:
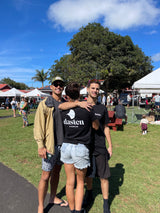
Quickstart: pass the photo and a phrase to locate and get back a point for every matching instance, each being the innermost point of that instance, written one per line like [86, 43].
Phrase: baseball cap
[57, 78]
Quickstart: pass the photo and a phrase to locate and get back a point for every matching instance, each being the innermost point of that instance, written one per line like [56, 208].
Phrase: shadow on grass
[115, 182]
[30, 124]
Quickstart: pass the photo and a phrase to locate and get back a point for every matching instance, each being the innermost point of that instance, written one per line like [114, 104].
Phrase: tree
[40, 76]
[13, 84]
[98, 53]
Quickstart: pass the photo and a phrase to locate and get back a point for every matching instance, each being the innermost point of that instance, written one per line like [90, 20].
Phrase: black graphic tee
[77, 125]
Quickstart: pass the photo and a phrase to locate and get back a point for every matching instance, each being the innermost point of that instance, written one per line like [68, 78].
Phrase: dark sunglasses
[56, 84]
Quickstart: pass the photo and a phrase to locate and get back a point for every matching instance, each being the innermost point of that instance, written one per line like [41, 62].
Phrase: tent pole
[133, 93]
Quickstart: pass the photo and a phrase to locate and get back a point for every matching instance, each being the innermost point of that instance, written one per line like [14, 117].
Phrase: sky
[35, 33]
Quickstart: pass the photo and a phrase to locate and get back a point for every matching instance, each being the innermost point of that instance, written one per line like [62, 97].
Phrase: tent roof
[150, 81]
[36, 93]
[11, 93]
[84, 91]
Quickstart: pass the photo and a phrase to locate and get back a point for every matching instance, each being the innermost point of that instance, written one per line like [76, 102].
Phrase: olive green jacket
[44, 127]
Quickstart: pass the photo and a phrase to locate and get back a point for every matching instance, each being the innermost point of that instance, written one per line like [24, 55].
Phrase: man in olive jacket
[48, 133]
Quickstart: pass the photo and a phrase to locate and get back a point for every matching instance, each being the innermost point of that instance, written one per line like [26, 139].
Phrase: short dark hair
[93, 81]
[73, 90]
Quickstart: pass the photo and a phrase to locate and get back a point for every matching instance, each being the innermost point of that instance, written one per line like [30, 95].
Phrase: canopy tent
[84, 91]
[150, 82]
[147, 85]
[36, 93]
[12, 93]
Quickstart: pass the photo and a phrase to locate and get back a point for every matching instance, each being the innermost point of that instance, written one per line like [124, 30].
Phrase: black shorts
[99, 167]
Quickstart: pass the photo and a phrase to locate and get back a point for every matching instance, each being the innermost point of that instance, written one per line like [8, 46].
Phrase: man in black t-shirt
[100, 152]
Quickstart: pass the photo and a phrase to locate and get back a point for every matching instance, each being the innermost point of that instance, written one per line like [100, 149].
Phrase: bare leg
[54, 180]
[80, 188]
[14, 113]
[105, 193]
[70, 173]
[105, 188]
[54, 183]
[42, 190]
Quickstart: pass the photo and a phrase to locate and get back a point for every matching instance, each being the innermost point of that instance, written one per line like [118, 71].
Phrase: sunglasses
[56, 84]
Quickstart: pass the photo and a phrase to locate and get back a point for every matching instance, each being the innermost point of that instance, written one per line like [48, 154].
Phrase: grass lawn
[134, 184]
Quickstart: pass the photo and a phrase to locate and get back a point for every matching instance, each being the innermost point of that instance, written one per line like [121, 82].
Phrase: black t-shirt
[101, 114]
[77, 125]
[58, 127]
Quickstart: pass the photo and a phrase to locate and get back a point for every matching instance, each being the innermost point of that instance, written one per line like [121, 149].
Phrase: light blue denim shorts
[48, 164]
[77, 154]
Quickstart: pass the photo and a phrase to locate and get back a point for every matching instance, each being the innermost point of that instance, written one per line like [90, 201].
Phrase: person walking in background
[104, 100]
[48, 133]
[108, 102]
[7, 103]
[21, 105]
[78, 123]
[143, 124]
[24, 110]
[156, 98]
[128, 100]
[14, 106]
[146, 103]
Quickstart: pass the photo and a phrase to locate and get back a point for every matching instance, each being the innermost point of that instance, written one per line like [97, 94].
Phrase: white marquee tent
[84, 91]
[12, 93]
[36, 93]
[149, 83]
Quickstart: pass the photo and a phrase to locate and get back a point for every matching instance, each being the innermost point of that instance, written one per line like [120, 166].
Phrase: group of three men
[48, 132]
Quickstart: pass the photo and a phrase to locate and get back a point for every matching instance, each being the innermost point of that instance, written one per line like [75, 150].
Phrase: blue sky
[34, 33]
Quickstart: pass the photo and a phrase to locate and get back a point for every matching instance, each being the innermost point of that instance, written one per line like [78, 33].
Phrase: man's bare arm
[69, 105]
[108, 137]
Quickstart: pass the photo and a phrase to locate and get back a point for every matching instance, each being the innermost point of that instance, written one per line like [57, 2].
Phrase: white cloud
[115, 14]
[152, 32]
[156, 57]
[18, 74]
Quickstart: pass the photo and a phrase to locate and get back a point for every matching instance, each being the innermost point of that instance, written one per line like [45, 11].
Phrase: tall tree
[40, 76]
[98, 53]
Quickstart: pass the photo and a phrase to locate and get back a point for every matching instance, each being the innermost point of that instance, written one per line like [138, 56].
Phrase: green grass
[134, 184]
[4, 112]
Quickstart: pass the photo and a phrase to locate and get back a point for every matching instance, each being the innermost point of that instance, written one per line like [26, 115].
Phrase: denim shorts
[13, 106]
[48, 164]
[76, 154]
